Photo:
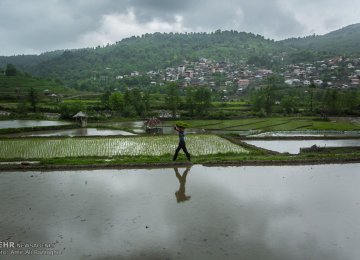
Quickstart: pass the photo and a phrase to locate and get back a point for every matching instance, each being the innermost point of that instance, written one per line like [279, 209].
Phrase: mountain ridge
[342, 41]
[160, 50]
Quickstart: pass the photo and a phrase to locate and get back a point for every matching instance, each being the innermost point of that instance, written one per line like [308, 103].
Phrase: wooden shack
[153, 126]
[81, 118]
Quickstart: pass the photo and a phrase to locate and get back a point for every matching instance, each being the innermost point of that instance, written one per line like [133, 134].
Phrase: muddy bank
[43, 167]
[269, 138]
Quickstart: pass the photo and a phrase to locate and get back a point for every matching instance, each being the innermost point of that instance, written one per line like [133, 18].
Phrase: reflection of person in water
[180, 194]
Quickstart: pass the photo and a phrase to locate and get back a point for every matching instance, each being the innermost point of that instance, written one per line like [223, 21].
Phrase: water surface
[29, 123]
[139, 128]
[129, 124]
[306, 133]
[75, 132]
[296, 212]
[293, 146]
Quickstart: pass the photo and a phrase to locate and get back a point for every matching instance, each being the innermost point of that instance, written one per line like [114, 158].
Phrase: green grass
[84, 101]
[272, 124]
[8, 105]
[195, 123]
[261, 124]
[242, 108]
[230, 104]
[325, 125]
[8, 85]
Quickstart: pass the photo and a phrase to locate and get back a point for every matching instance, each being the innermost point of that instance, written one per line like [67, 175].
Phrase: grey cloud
[163, 10]
[51, 24]
[262, 17]
[42, 25]
[268, 18]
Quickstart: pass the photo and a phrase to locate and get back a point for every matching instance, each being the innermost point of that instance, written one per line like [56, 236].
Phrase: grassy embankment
[272, 124]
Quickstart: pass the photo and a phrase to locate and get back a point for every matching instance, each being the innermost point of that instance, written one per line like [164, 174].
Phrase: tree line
[311, 100]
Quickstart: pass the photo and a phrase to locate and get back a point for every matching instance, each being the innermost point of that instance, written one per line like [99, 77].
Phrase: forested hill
[161, 50]
[344, 41]
[148, 52]
[27, 62]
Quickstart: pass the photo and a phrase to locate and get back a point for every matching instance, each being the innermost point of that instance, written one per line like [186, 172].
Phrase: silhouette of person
[180, 194]
[181, 145]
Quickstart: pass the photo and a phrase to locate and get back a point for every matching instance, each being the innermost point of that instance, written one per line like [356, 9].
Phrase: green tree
[263, 99]
[288, 104]
[331, 102]
[312, 88]
[257, 100]
[172, 98]
[138, 102]
[67, 111]
[33, 99]
[269, 94]
[202, 101]
[349, 102]
[129, 111]
[10, 70]
[116, 102]
[129, 108]
[21, 107]
[105, 98]
[146, 101]
[190, 103]
[198, 101]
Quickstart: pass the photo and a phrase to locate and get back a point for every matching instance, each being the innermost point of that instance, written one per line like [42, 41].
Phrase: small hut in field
[153, 126]
[81, 117]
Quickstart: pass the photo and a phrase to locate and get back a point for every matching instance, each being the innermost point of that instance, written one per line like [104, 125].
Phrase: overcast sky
[36, 26]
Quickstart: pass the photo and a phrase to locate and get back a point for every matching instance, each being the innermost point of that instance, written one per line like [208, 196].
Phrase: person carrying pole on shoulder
[182, 145]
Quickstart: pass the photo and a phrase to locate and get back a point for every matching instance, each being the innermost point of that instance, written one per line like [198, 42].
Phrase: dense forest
[344, 41]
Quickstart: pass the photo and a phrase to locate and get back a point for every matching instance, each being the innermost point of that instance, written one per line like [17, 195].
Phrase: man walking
[181, 145]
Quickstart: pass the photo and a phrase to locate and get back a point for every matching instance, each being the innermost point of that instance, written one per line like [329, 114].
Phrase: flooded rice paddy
[74, 132]
[293, 146]
[113, 146]
[29, 123]
[272, 212]
[309, 133]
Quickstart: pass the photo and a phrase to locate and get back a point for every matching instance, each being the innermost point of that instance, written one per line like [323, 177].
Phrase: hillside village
[338, 72]
[228, 81]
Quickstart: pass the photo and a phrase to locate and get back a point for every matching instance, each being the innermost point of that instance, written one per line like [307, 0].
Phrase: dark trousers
[183, 147]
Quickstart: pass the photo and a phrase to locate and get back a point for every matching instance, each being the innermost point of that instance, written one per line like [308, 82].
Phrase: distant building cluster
[339, 72]
[203, 72]
[232, 79]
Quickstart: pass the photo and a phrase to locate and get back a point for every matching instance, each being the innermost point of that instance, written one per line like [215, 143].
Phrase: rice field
[113, 146]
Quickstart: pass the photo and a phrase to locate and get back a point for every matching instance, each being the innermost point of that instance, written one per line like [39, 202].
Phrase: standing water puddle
[310, 133]
[272, 212]
[293, 146]
[75, 132]
[29, 123]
